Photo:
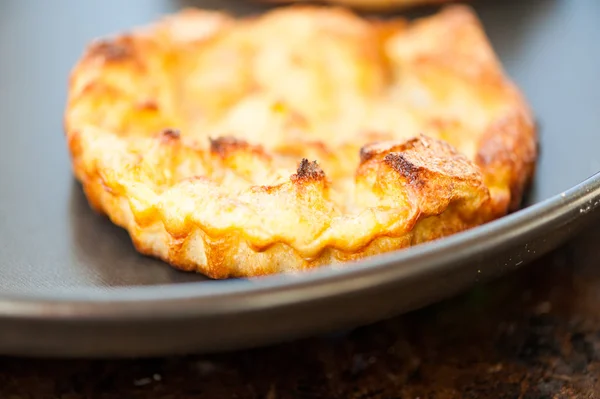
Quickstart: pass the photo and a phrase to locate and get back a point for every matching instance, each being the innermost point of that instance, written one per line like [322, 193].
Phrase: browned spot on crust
[111, 50]
[372, 150]
[400, 164]
[227, 147]
[222, 146]
[149, 105]
[366, 153]
[308, 171]
[169, 135]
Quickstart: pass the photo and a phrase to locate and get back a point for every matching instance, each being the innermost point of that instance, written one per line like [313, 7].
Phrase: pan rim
[185, 300]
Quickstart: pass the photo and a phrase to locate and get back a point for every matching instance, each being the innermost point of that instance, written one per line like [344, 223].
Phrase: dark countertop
[532, 334]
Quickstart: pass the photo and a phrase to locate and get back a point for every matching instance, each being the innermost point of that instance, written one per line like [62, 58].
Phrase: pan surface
[71, 283]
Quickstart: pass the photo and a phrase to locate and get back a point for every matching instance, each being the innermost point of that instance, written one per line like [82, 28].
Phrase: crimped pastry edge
[508, 144]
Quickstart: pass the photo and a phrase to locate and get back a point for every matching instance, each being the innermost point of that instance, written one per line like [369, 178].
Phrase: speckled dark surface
[532, 334]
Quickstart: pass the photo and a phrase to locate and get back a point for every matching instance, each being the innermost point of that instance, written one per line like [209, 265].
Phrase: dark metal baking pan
[71, 283]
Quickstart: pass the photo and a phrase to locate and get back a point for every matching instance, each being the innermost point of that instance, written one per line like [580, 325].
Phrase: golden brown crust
[304, 137]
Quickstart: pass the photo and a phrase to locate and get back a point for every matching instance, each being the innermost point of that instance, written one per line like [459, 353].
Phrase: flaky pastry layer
[303, 137]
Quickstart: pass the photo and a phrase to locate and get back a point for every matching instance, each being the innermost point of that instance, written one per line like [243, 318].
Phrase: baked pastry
[302, 137]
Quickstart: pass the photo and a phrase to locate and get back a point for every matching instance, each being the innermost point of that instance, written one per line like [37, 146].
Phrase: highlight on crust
[303, 137]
